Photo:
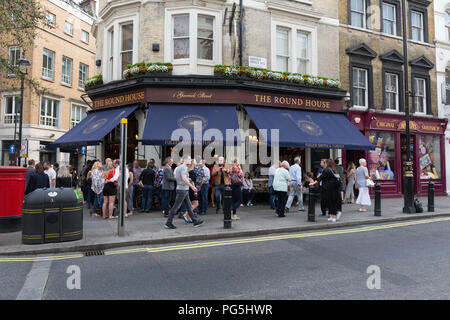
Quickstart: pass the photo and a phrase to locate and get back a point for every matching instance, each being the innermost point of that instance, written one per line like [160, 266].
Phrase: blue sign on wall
[83, 150]
[12, 149]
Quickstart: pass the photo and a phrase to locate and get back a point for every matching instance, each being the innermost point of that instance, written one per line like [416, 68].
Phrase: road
[413, 259]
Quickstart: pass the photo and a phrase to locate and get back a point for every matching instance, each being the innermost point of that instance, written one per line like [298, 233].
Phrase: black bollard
[377, 200]
[431, 196]
[312, 205]
[227, 201]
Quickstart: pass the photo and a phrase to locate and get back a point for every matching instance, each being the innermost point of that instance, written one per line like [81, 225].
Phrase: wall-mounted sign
[430, 126]
[257, 62]
[120, 99]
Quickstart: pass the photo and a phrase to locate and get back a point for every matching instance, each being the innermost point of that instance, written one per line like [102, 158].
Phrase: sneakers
[338, 217]
[302, 209]
[286, 210]
[198, 223]
[329, 219]
[169, 226]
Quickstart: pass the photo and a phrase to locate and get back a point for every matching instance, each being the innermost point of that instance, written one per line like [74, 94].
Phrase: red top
[110, 175]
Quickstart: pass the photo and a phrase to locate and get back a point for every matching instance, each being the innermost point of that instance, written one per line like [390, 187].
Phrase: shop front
[385, 163]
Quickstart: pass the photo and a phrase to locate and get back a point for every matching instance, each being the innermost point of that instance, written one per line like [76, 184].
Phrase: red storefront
[385, 163]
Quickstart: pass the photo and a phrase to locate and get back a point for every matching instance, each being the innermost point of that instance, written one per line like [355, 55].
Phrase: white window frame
[47, 71]
[64, 75]
[386, 76]
[44, 118]
[286, 56]
[308, 52]
[193, 64]
[80, 80]
[294, 28]
[366, 93]
[87, 35]
[70, 32]
[447, 23]
[78, 108]
[49, 22]
[15, 64]
[4, 114]
[121, 51]
[363, 13]
[421, 28]
[417, 97]
[113, 71]
[394, 22]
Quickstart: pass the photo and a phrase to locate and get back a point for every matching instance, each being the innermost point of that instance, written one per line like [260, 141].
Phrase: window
[303, 53]
[68, 28]
[430, 157]
[447, 24]
[181, 37]
[78, 114]
[85, 36]
[420, 100]
[50, 19]
[358, 13]
[82, 75]
[111, 52]
[389, 19]
[14, 56]
[447, 86]
[126, 52]
[48, 64]
[49, 112]
[391, 91]
[360, 92]
[417, 26]
[205, 37]
[282, 50]
[66, 75]
[381, 164]
[12, 109]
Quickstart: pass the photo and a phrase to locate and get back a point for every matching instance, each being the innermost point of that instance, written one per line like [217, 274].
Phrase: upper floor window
[447, 24]
[303, 53]
[110, 45]
[78, 113]
[420, 100]
[358, 12]
[68, 28]
[48, 61]
[126, 49]
[389, 19]
[282, 50]
[50, 19]
[82, 75]
[391, 91]
[49, 115]
[417, 26]
[205, 37]
[360, 88]
[447, 86]
[85, 36]
[66, 75]
[14, 56]
[181, 37]
[11, 109]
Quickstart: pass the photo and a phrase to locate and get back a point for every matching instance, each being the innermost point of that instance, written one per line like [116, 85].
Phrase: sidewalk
[148, 228]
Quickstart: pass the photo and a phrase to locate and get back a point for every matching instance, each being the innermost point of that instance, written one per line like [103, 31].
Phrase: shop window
[382, 160]
[430, 157]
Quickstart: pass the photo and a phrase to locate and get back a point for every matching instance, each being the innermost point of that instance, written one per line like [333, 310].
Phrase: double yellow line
[234, 242]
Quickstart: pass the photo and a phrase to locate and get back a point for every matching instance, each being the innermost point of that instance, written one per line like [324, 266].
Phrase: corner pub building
[311, 120]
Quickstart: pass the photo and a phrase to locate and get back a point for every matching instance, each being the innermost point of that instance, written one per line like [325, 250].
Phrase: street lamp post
[408, 186]
[22, 63]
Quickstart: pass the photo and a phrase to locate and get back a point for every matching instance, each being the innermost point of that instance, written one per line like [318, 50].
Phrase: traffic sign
[83, 150]
[12, 149]
[23, 147]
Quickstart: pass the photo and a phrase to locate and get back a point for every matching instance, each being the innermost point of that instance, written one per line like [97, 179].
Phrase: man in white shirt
[295, 186]
[117, 178]
[51, 174]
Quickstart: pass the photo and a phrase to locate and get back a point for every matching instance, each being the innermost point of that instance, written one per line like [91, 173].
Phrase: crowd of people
[186, 186]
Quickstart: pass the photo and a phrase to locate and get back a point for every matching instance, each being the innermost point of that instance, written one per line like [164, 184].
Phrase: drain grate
[91, 253]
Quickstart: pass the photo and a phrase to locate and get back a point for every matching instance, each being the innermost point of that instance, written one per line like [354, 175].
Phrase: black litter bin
[52, 215]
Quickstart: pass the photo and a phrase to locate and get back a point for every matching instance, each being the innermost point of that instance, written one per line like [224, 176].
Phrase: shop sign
[121, 99]
[400, 125]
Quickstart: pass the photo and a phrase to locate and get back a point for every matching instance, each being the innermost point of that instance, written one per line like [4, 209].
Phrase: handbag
[370, 183]
[235, 180]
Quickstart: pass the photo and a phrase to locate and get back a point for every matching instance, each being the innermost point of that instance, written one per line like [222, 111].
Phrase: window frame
[424, 12]
[289, 50]
[73, 122]
[122, 51]
[397, 16]
[44, 69]
[397, 92]
[56, 117]
[47, 14]
[66, 23]
[15, 64]
[63, 75]
[14, 116]
[87, 34]
[447, 86]
[81, 87]
[204, 38]
[416, 96]
[364, 14]
[366, 94]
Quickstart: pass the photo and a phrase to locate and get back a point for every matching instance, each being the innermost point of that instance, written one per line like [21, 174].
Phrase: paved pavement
[412, 259]
[148, 228]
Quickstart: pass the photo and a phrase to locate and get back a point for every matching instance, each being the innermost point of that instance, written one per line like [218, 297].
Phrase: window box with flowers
[239, 72]
[148, 68]
[94, 81]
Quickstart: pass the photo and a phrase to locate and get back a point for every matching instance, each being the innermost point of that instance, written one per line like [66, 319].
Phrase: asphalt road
[414, 263]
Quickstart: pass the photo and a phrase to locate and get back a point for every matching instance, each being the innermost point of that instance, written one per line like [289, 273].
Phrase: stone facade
[62, 45]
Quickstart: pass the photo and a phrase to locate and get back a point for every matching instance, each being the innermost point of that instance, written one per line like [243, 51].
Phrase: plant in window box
[93, 81]
[142, 68]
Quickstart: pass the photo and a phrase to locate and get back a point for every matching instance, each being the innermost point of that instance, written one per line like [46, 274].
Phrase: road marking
[33, 288]
[231, 242]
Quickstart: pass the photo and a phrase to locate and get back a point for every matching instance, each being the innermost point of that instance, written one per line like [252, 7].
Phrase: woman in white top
[362, 174]
[249, 191]
[280, 186]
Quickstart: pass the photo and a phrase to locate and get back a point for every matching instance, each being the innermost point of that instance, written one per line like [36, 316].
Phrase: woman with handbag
[362, 184]
[236, 175]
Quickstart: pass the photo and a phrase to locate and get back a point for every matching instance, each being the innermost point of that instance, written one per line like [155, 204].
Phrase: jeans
[248, 194]
[203, 198]
[129, 198]
[217, 193]
[272, 198]
[90, 197]
[182, 196]
[147, 197]
[293, 191]
[166, 196]
[236, 197]
[98, 201]
[136, 191]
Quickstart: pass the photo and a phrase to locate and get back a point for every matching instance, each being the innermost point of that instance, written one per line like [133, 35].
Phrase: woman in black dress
[64, 178]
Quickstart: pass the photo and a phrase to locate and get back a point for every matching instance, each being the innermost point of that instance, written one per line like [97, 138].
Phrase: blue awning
[163, 120]
[309, 129]
[92, 129]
